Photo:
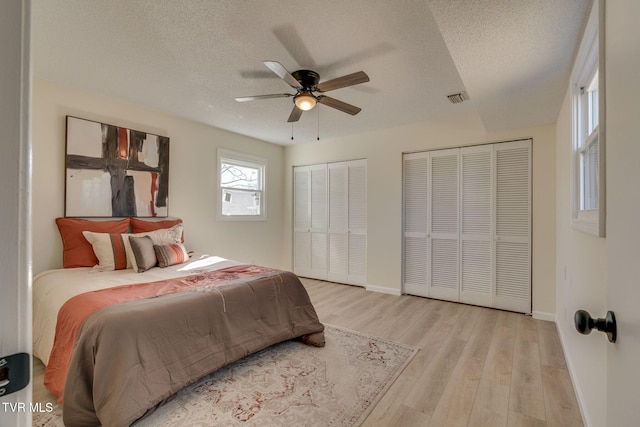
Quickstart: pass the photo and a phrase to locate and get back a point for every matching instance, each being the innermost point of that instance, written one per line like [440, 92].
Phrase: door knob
[585, 323]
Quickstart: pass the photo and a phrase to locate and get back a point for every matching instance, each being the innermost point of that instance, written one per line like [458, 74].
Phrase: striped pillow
[110, 249]
[172, 254]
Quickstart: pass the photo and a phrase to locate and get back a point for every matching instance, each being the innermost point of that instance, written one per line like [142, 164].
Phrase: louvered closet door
[476, 231]
[415, 223]
[357, 222]
[318, 221]
[348, 222]
[338, 225]
[301, 220]
[513, 226]
[444, 226]
[310, 221]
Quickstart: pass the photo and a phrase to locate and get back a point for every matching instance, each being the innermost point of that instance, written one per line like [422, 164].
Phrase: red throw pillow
[77, 251]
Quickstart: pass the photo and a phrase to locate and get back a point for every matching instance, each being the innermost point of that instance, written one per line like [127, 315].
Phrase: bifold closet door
[467, 225]
[513, 226]
[431, 223]
[338, 222]
[310, 221]
[416, 223]
[443, 265]
[357, 222]
[476, 230]
[347, 232]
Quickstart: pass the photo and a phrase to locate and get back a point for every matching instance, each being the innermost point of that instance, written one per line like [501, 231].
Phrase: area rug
[289, 384]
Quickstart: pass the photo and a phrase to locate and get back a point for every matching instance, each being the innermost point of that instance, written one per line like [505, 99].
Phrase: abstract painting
[113, 171]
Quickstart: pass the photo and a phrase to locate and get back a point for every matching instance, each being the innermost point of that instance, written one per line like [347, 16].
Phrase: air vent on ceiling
[457, 98]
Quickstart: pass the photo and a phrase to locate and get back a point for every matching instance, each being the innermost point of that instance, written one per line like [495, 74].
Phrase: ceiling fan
[306, 82]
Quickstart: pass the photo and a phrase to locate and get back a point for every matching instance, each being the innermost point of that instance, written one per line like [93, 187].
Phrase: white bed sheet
[52, 288]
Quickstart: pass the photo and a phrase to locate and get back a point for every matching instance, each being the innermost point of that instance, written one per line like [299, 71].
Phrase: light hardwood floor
[476, 366]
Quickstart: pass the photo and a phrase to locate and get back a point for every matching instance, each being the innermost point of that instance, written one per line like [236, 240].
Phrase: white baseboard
[586, 420]
[383, 290]
[541, 315]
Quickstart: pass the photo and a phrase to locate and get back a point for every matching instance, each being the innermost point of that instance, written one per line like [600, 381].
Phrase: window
[588, 131]
[587, 145]
[241, 189]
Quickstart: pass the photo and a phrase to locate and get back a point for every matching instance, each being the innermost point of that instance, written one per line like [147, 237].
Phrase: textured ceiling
[192, 58]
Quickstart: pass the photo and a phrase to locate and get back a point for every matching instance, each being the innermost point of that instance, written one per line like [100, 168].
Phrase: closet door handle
[585, 323]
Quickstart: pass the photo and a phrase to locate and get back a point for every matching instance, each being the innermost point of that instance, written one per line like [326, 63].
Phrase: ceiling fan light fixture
[305, 101]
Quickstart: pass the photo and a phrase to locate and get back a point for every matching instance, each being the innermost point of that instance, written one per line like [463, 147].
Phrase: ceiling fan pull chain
[292, 131]
[318, 138]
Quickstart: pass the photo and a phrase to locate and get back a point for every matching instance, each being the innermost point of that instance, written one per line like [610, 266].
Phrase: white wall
[583, 286]
[383, 151]
[192, 178]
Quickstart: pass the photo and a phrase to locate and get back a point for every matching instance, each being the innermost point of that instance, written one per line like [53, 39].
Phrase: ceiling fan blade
[339, 105]
[344, 81]
[282, 72]
[295, 114]
[253, 98]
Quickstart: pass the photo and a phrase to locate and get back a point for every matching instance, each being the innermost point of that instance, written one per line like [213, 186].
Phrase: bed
[118, 343]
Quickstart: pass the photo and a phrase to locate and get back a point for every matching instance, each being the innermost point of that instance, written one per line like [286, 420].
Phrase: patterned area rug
[289, 384]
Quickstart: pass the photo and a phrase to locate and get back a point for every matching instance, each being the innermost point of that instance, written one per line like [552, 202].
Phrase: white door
[338, 222]
[347, 232]
[301, 220]
[443, 266]
[318, 221]
[357, 222]
[467, 225]
[310, 221]
[15, 193]
[623, 209]
[476, 225]
[415, 223]
[513, 226]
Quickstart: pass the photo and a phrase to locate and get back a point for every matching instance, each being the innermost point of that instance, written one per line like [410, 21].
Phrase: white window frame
[242, 159]
[589, 61]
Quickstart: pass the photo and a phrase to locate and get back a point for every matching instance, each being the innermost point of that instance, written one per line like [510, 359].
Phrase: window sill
[588, 224]
[241, 217]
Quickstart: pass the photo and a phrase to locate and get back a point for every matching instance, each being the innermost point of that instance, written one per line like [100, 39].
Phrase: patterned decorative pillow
[172, 254]
[143, 226]
[165, 236]
[114, 250]
[144, 256]
[77, 250]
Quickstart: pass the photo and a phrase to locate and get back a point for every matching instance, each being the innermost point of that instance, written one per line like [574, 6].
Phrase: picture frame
[112, 171]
